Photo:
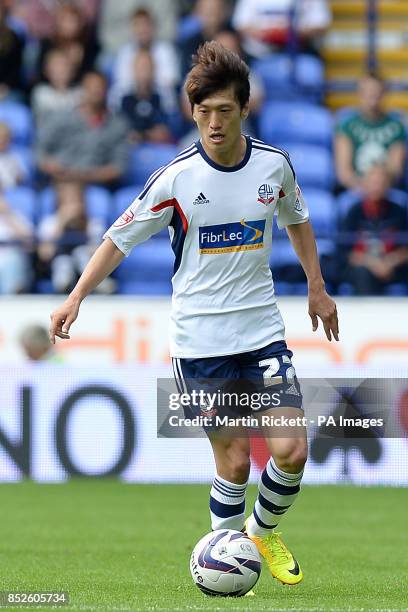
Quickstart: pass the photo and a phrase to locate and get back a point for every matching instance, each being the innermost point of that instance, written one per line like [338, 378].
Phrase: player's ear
[245, 111]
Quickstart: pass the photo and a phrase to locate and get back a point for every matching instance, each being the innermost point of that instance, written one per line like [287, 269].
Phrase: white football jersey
[220, 225]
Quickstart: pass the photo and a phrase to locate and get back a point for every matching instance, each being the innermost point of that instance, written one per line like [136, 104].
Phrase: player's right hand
[62, 319]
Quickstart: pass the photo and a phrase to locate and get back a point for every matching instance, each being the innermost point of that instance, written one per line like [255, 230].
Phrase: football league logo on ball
[265, 194]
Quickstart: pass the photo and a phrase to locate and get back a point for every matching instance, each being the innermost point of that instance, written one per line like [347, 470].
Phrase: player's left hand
[321, 306]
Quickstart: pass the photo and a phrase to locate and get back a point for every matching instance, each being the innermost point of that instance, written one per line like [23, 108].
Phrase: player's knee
[238, 466]
[292, 457]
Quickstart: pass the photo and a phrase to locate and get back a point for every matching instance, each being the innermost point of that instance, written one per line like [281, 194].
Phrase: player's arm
[321, 304]
[143, 218]
[102, 263]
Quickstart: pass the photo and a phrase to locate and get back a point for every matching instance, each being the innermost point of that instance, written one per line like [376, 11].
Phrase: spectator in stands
[11, 57]
[89, 143]
[67, 239]
[72, 36]
[15, 242]
[143, 108]
[163, 53]
[267, 25]
[211, 17]
[115, 17]
[369, 136]
[39, 16]
[377, 257]
[58, 93]
[35, 342]
[12, 171]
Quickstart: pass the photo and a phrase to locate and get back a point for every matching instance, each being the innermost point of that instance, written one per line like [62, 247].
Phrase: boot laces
[277, 547]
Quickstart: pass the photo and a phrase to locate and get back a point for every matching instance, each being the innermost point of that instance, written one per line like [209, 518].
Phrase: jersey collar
[213, 164]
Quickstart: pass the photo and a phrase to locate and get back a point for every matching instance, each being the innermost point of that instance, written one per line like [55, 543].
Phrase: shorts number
[269, 375]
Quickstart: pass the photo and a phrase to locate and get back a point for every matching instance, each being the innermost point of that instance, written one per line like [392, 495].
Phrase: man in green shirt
[369, 136]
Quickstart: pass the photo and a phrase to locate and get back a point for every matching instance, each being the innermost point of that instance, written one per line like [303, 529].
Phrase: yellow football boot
[282, 564]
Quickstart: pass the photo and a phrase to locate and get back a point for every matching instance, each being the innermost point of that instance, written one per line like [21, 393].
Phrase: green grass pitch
[114, 546]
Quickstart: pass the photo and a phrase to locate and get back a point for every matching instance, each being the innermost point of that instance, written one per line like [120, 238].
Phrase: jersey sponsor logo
[127, 217]
[265, 194]
[201, 199]
[231, 237]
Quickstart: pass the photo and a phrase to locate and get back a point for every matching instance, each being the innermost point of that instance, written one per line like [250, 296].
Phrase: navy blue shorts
[266, 371]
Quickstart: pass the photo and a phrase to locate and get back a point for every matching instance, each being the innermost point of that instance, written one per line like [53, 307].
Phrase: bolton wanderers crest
[265, 194]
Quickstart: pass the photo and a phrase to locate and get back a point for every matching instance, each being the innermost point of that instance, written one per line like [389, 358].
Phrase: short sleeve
[343, 126]
[291, 208]
[401, 135]
[147, 215]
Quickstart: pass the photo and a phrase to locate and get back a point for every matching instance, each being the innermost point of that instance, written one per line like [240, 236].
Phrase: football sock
[227, 504]
[277, 492]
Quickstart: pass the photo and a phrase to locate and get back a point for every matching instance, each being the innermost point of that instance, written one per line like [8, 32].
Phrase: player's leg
[279, 484]
[270, 369]
[231, 452]
[278, 488]
[227, 496]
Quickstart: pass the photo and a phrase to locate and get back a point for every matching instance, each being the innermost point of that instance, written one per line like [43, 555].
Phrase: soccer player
[218, 198]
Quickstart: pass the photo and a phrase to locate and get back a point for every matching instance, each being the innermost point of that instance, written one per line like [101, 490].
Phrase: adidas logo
[292, 390]
[201, 199]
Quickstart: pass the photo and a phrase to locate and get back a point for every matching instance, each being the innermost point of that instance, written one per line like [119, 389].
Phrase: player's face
[218, 119]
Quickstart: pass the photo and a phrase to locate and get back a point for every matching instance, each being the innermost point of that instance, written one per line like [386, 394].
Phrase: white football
[225, 563]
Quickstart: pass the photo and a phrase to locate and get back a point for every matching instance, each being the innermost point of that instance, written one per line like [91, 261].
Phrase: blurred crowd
[90, 90]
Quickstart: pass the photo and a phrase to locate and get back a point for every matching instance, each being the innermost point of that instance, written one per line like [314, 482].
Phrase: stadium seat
[143, 288]
[284, 262]
[322, 209]
[313, 166]
[397, 289]
[147, 158]
[283, 288]
[44, 287]
[123, 198]
[24, 201]
[296, 122]
[20, 121]
[345, 289]
[98, 202]
[284, 77]
[283, 253]
[148, 269]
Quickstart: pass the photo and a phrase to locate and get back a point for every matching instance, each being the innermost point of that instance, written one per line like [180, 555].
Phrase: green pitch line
[127, 547]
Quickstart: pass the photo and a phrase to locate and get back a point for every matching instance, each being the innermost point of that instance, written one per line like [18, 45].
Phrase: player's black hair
[216, 68]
